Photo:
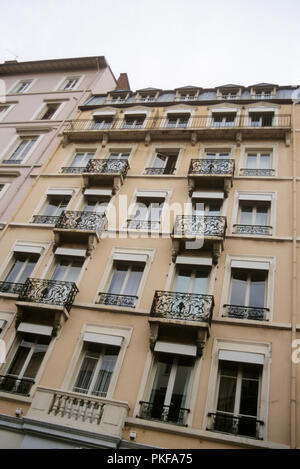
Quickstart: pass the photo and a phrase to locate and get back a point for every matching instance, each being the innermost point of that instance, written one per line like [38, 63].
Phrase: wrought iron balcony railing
[190, 123]
[147, 225]
[200, 226]
[252, 229]
[73, 169]
[256, 313]
[15, 385]
[127, 301]
[182, 306]
[10, 287]
[45, 219]
[163, 413]
[102, 166]
[90, 221]
[159, 171]
[257, 172]
[12, 161]
[51, 292]
[211, 167]
[236, 425]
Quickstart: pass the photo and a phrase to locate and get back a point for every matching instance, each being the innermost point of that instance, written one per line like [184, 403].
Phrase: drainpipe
[78, 101]
[294, 283]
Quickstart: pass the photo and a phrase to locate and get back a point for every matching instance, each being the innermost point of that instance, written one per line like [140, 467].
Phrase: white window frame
[12, 147]
[8, 318]
[254, 197]
[233, 93]
[60, 85]
[223, 109]
[264, 92]
[4, 189]
[13, 89]
[70, 158]
[98, 328]
[52, 263]
[166, 148]
[44, 107]
[55, 192]
[125, 254]
[120, 148]
[252, 263]
[146, 97]
[252, 148]
[203, 149]
[261, 107]
[262, 348]
[5, 108]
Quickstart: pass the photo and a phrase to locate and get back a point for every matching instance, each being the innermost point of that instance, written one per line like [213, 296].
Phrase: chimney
[122, 82]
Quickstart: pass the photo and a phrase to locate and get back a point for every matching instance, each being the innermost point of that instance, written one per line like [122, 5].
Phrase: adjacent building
[148, 294]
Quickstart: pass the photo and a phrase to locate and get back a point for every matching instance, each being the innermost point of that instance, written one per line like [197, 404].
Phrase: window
[118, 98]
[79, 162]
[67, 269]
[96, 369]
[216, 155]
[164, 162]
[135, 121]
[261, 119]
[223, 119]
[20, 268]
[187, 96]
[147, 213]
[2, 327]
[191, 279]
[3, 189]
[178, 120]
[238, 398]
[229, 95]
[262, 94]
[70, 83]
[258, 163]
[49, 111]
[3, 111]
[25, 364]
[22, 150]
[119, 155]
[53, 208]
[102, 122]
[146, 97]
[254, 213]
[211, 208]
[169, 390]
[95, 204]
[22, 86]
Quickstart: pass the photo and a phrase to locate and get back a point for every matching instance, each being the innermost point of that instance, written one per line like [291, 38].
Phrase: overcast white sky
[162, 43]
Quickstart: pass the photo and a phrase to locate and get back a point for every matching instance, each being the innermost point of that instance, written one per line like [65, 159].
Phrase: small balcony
[209, 231]
[256, 313]
[107, 172]
[45, 219]
[163, 413]
[112, 299]
[235, 425]
[252, 230]
[85, 413]
[15, 385]
[250, 172]
[143, 225]
[74, 226]
[184, 315]
[217, 173]
[159, 171]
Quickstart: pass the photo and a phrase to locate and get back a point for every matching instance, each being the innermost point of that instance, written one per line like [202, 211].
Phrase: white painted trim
[106, 192]
[28, 248]
[250, 265]
[176, 348]
[104, 339]
[130, 257]
[104, 113]
[70, 252]
[207, 195]
[35, 328]
[258, 197]
[60, 192]
[150, 194]
[241, 357]
[194, 260]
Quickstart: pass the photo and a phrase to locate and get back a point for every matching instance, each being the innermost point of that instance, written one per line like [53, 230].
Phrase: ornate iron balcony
[147, 225]
[90, 221]
[205, 167]
[102, 166]
[15, 385]
[256, 313]
[184, 306]
[163, 413]
[51, 292]
[158, 171]
[253, 229]
[200, 226]
[236, 425]
[45, 219]
[257, 172]
[10, 287]
[127, 301]
[73, 169]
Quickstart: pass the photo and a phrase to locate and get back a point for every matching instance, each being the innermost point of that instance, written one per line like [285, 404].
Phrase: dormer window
[146, 97]
[118, 98]
[229, 92]
[263, 91]
[187, 96]
[229, 95]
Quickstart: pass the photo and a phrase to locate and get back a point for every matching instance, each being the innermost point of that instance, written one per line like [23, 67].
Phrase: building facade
[149, 277]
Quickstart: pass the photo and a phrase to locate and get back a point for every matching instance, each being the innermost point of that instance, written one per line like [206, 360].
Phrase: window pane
[251, 161]
[249, 397]
[257, 289]
[155, 211]
[28, 268]
[210, 156]
[118, 278]
[265, 161]
[227, 390]
[85, 374]
[60, 270]
[246, 215]
[14, 271]
[73, 271]
[238, 288]
[35, 361]
[261, 216]
[134, 280]
[19, 359]
[200, 282]
[214, 209]
[159, 161]
[179, 393]
[141, 211]
[106, 371]
[224, 156]
[55, 207]
[183, 280]
[158, 393]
